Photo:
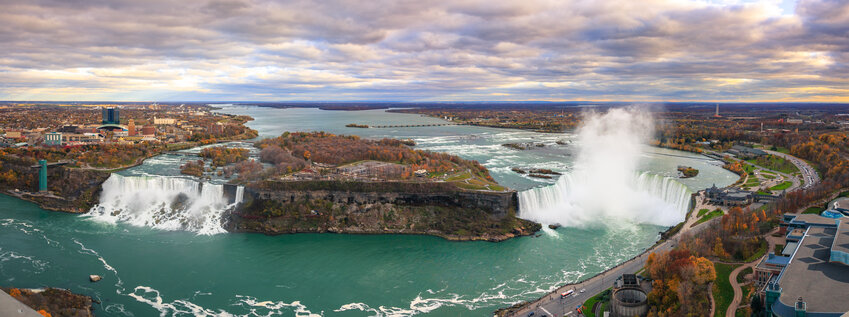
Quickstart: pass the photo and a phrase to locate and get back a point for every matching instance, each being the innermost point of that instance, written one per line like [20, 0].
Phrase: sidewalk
[11, 307]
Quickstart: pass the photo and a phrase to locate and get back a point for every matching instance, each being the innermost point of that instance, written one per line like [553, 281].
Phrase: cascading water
[167, 203]
[605, 185]
[650, 199]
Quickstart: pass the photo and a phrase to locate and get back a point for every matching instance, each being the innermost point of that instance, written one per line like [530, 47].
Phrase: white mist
[166, 203]
[605, 185]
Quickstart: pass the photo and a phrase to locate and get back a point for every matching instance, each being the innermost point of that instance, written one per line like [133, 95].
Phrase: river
[150, 271]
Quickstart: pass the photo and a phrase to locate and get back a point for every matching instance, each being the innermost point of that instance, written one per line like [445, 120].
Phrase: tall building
[111, 115]
[131, 128]
[716, 115]
[53, 139]
[148, 130]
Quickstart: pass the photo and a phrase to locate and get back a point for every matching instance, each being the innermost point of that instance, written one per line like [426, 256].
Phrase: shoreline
[516, 309]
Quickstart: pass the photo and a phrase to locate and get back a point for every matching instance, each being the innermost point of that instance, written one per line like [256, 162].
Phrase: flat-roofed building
[164, 121]
[816, 271]
[53, 139]
[81, 138]
[13, 134]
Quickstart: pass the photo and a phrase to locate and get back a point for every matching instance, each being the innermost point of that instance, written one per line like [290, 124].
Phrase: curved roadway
[809, 174]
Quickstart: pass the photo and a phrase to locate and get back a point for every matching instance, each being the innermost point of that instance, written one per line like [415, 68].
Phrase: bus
[567, 293]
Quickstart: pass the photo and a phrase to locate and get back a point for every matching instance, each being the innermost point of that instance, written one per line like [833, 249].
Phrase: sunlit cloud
[617, 50]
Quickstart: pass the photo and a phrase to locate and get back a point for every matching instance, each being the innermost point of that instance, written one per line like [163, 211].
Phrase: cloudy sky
[420, 50]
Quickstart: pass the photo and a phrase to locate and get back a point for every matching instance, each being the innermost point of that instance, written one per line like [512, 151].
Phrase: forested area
[680, 285]
[333, 149]
[221, 155]
[111, 155]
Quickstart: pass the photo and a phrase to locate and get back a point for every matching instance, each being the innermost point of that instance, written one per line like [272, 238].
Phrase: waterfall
[166, 203]
[605, 185]
[574, 201]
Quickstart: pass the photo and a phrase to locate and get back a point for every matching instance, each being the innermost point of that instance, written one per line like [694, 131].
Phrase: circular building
[629, 299]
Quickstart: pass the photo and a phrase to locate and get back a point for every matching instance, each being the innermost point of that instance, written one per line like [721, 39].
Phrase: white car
[583, 290]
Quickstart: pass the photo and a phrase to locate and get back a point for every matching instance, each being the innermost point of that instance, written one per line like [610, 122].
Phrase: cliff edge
[429, 208]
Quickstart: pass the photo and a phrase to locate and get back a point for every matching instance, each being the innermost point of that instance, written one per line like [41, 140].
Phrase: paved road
[553, 305]
[809, 174]
[11, 307]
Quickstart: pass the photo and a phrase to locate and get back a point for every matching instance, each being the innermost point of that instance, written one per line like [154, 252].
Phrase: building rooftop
[811, 276]
[813, 219]
[778, 260]
[789, 248]
[798, 232]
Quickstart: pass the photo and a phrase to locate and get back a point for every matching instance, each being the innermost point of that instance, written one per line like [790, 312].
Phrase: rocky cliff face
[403, 208]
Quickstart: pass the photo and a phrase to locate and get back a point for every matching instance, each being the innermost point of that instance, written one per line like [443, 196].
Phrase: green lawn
[750, 169]
[459, 176]
[759, 253]
[782, 149]
[753, 181]
[741, 278]
[813, 210]
[702, 212]
[778, 248]
[588, 312]
[775, 163]
[723, 293]
[782, 186]
[710, 215]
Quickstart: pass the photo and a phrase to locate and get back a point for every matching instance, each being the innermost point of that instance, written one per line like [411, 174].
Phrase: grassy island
[321, 182]
[687, 172]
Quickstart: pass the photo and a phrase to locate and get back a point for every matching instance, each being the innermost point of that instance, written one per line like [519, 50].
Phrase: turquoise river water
[150, 270]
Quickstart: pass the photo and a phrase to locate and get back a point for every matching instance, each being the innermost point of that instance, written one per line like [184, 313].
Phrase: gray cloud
[422, 50]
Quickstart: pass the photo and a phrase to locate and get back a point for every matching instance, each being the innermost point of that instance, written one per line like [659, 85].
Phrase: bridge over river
[412, 125]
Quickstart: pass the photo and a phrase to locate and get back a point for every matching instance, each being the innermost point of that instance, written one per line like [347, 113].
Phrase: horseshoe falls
[605, 185]
[645, 199]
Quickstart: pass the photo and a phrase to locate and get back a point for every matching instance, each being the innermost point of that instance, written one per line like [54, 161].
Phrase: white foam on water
[274, 308]
[150, 296]
[85, 250]
[38, 266]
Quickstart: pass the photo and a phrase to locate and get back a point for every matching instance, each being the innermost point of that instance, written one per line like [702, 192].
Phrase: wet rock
[95, 278]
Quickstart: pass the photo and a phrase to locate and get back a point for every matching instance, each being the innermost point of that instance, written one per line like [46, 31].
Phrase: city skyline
[640, 51]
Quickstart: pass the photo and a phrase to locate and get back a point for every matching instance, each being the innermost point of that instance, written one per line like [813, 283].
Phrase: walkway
[738, 290]
[11, 307]
[712, 301]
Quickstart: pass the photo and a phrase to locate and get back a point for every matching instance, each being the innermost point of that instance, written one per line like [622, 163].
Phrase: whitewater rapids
[165, 203]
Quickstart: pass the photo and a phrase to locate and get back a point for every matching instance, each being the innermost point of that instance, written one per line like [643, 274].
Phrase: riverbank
[601, 281]
[44, 302]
